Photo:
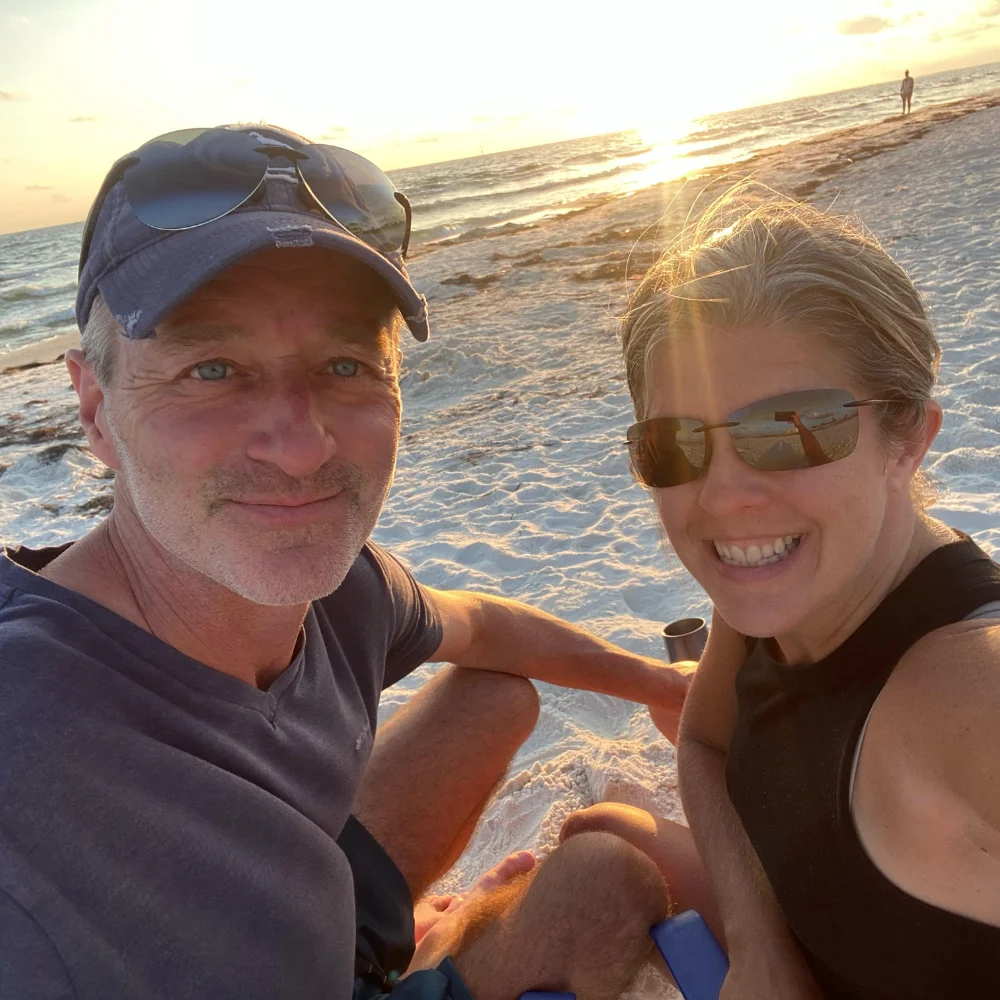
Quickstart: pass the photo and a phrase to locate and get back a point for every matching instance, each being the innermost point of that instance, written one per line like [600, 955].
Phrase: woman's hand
[775, 973]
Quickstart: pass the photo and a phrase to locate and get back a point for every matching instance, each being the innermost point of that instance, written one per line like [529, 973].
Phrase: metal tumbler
[685, 639]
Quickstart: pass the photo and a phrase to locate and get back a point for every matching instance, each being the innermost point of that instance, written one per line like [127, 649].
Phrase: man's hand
[439, 920]
[667, 718]
[428, 910]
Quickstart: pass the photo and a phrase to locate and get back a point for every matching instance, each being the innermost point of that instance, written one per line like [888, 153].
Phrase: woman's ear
[911, 452]
[92, 403]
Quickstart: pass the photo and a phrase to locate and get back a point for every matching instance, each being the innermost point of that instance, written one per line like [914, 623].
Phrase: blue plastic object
[695, 959]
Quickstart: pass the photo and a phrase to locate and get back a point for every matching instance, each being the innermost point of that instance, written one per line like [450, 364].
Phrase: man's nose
[289, 428]
[729, 485]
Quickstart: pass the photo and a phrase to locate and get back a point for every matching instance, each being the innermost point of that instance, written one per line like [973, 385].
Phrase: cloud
[990, 9]
[84, 118]
[338, 132]
[919, 13]
[961, 32]
[870, 25]
[38, 187]
[61, 197]
[427, 138]
[11, 95]
[19, 20]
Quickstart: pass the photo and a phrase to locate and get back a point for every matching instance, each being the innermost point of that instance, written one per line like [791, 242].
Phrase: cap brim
[143, 288]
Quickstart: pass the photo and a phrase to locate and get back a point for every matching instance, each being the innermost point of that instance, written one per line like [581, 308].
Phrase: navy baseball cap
[143, 273]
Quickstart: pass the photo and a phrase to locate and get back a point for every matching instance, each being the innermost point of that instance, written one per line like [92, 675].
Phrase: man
[191, 801]
[906, 90]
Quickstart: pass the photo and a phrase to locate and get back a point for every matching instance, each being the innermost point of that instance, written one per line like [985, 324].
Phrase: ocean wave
[32, 273]
[21, 293]
[64, 317]
[719, 147]
[521, 192]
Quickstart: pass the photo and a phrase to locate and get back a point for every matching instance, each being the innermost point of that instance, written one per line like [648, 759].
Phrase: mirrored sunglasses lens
[185, 179]
[357, 194]
[667, 451]
[797, 430]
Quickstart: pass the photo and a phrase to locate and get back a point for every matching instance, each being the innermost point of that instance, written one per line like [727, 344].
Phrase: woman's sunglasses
[190, 178]
[797, 430]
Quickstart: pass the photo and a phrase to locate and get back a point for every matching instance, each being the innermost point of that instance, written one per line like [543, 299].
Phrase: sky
[84, 81]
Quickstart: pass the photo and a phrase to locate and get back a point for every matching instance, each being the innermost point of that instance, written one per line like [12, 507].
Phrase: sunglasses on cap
[797, 430]
[192, 177]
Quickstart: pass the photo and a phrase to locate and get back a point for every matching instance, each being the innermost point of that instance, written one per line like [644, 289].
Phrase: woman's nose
[729, 484]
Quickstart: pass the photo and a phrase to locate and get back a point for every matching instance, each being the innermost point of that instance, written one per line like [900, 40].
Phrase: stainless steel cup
[685, 638]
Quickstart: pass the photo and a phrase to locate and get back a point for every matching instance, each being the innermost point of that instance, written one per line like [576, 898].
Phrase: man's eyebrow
[184, 337]
[181, 337]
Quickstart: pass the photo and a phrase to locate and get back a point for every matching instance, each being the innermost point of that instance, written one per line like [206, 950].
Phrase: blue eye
[211, 371]
[346, 368]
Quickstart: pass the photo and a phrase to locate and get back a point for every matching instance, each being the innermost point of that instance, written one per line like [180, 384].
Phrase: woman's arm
[764, 959]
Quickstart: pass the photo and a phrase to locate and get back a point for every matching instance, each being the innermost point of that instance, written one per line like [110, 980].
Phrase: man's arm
[492, 633]
[764, 958]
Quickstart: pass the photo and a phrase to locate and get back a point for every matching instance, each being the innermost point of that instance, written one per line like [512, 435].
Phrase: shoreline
[46, 352]
[781, 166]
[796, 169]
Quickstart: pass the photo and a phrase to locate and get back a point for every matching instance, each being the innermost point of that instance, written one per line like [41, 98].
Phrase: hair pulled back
[772, 262]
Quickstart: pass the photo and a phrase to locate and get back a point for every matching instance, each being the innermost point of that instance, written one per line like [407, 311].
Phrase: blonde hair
[773, 262]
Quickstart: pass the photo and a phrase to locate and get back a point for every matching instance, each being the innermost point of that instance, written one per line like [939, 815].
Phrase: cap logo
[129, 321]
[292, 236]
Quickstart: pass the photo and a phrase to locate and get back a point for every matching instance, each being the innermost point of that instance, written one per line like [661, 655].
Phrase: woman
[838, 750]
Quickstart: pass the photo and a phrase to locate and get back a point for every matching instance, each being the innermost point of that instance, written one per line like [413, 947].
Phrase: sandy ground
[512, 476]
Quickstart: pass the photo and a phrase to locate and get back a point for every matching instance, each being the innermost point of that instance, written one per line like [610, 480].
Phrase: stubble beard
[274, 567]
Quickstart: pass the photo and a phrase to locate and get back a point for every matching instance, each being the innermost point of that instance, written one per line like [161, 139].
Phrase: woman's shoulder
[948, 672]
[927, 795]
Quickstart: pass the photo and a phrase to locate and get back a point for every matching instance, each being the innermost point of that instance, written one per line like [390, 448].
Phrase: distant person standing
[906, 90]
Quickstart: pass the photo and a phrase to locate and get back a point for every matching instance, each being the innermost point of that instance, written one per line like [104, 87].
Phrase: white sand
[512, 476]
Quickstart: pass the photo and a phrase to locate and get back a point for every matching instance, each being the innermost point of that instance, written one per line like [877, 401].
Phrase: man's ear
[92, 415]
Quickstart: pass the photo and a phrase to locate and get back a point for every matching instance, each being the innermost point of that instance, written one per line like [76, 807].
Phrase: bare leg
[579, 923]
[668, 844]
[436, 763]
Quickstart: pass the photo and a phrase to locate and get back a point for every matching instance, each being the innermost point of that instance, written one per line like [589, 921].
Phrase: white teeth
[754, 555]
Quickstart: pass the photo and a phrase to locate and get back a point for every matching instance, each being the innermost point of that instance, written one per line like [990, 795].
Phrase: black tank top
[789, 772]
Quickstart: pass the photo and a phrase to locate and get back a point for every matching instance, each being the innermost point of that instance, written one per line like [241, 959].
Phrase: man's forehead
[191, 332]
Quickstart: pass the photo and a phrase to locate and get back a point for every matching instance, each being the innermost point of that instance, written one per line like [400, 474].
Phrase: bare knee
[610, 875]
[509, 700]
[629, 822]
[581, 924]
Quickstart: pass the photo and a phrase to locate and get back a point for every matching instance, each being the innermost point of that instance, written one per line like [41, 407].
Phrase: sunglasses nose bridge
[728, 483]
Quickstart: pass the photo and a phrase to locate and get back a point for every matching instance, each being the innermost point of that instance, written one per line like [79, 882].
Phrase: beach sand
[512, 476]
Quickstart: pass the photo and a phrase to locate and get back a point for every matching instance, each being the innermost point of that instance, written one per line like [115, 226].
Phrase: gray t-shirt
[168, 831]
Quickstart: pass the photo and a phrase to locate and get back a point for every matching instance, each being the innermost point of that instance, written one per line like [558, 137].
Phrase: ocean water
[502, 192]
